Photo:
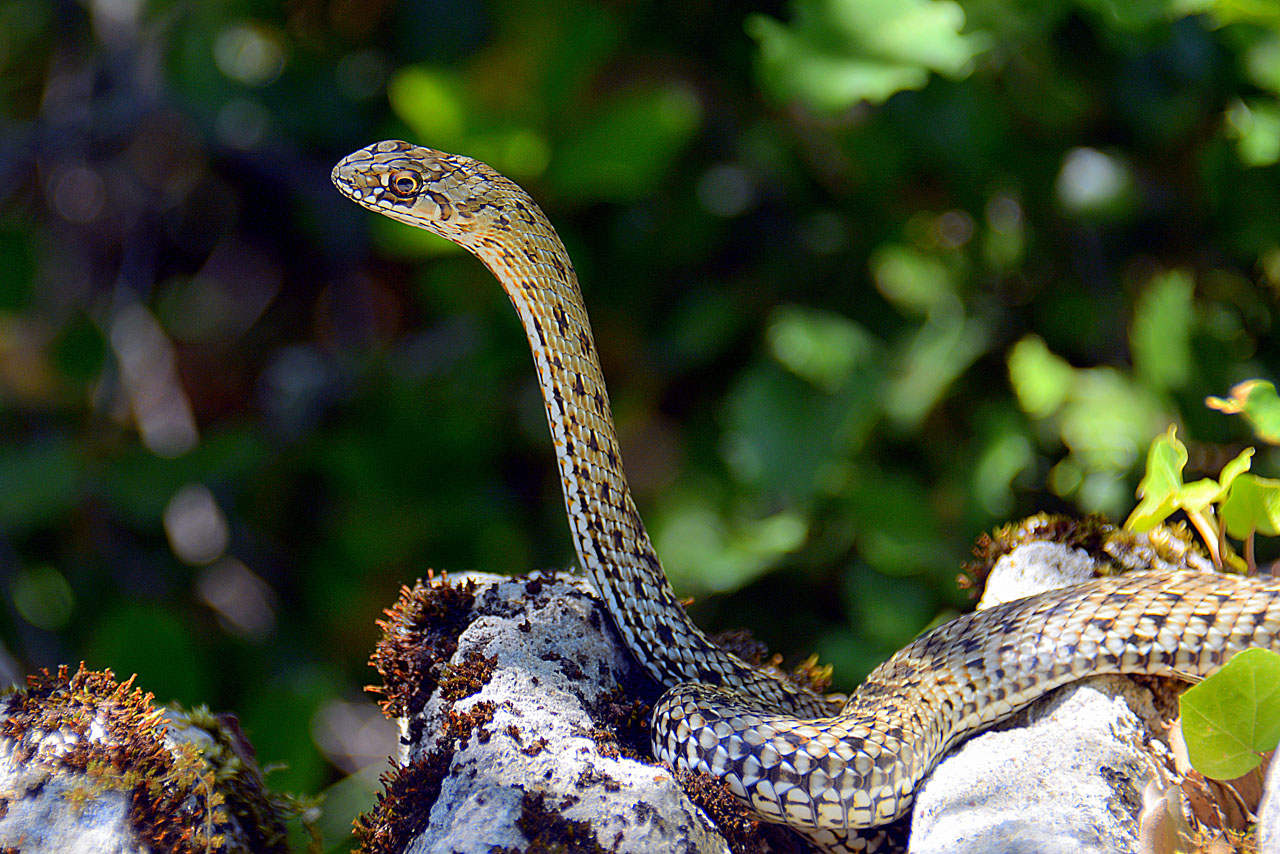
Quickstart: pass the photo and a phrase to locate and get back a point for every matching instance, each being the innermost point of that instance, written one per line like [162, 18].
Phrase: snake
[844, 776]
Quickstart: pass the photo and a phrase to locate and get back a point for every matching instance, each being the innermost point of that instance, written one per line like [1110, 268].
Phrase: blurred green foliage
[868, 279]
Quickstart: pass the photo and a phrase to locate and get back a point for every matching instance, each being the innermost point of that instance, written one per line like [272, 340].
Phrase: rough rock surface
[91, 766]
[1034, 568]
[1269, 813]
[1064, 776]
[1068, 774]
[538, 768]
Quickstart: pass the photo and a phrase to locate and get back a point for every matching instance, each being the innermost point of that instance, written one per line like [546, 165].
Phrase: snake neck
[608, 534]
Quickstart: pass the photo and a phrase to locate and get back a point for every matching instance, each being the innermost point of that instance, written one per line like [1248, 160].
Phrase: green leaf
[1139, 15]
[39, 483]
[1040, 379]
[931, 359]
[912, 280]
[836, 53]
[1160, 334]
[431, 102]
[625, 149]
[1252, 505]
[1160, 486]
[1264, 13]
[1234, 715]
[822, 347]
[1235, 468]
[1255, 126]
[1257, 401]
[1196, 496]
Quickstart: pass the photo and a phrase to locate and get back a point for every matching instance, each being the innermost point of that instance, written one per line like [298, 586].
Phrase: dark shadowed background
[868, 278]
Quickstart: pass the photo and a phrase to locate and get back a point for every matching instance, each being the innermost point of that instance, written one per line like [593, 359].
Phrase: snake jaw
[446, 194]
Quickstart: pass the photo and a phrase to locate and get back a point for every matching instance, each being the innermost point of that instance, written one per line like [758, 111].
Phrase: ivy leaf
[1252, 505]
[1235, 468]
[1162, 484]
[1195, 497]
[1258, 402]
[1233, 716]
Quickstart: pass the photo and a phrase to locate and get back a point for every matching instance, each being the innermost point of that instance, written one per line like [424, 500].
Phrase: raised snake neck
[838, 775]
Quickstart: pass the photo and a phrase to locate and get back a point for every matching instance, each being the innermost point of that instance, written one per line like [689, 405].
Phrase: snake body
[837, 774]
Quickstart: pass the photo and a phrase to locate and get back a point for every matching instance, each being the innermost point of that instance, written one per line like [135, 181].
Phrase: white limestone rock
[1064, 776]
[38, 819]
[1033, 568]
[558, 660]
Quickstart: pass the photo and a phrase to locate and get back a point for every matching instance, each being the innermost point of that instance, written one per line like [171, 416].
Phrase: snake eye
[405, 184]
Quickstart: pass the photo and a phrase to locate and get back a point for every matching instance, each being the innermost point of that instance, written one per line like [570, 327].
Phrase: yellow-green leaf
[1258, 402]
[1196, 496]
[1040, 379]
[1235, 468]
[1252, 505]
[1160, 486]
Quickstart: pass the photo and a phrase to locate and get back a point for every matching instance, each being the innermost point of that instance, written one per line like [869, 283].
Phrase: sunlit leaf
[1234, 715]
[932, 359]
[1197, 495]
[1108, 418]
[705, 549]
[1235, 468]
[822, 347]
[431, 102]
[1252, 505]
[1262, 12]
[1008, 455]
[910, 279]
[1257, 401]
[1255, 126]
[836, 53]
[1160, 486]
[1041, 379]
[1194, 497]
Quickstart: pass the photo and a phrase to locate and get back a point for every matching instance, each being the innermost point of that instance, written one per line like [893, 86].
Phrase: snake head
[453, 196]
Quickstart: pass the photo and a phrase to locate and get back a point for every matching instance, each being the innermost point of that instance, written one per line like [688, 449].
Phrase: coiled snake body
[836, 774]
